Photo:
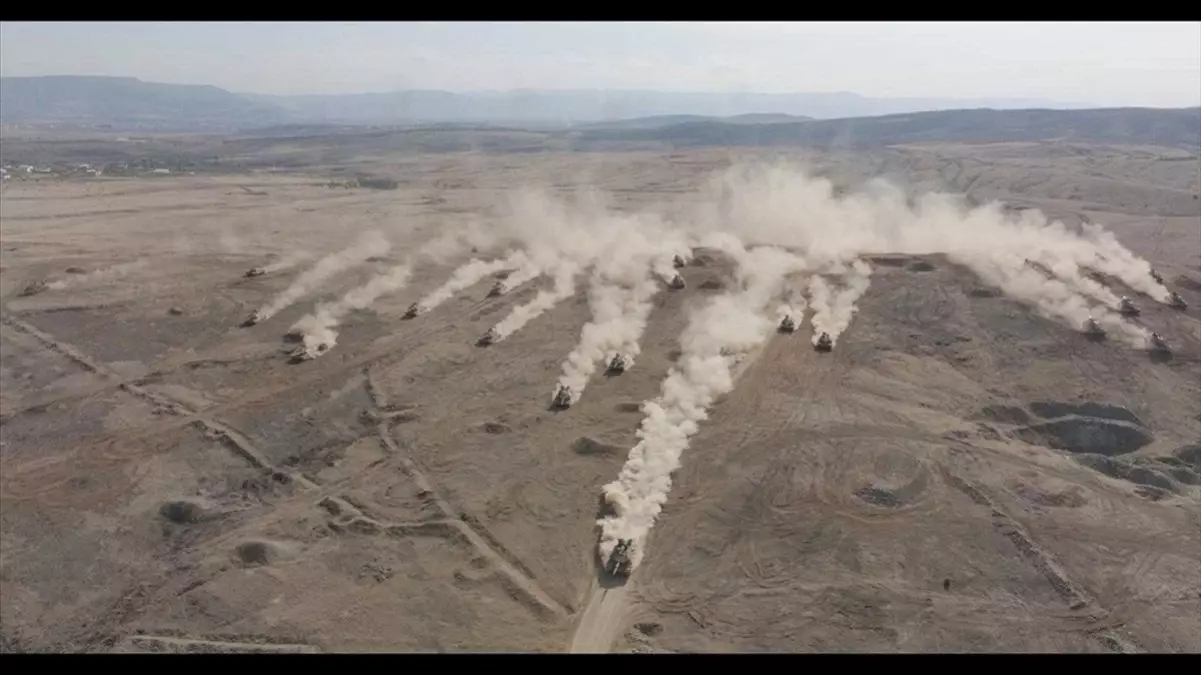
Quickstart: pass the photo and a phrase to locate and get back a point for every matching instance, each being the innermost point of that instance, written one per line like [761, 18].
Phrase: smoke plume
[563, 288]
[717, 334]
[832, 310]
[369, 244]
[469, 275]
[287, 261]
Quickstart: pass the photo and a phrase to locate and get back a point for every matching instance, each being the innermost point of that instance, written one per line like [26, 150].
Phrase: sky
[1101, 63]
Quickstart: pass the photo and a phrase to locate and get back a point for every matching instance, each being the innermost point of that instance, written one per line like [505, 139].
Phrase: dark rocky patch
[878, 497]
[495, 428]
[1124, 470]
[183, 512]
[1188, 282]
[920, 266]
[712, 284]
[984, 292]
[1069, 498]
[1185, 475]
[1005, 414]
[629, 407]
[1190, 453]
[75, 270]
[1086, 435]
[1053, 409]
[649, 628]
[592, 447]
[175, 311]
[255, 553]
[889, 260]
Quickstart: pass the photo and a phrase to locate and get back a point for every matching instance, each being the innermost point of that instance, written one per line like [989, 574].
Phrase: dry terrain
[169, 482]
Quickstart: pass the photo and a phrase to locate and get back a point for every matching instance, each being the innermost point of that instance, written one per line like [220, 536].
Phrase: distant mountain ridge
[1180, 127]
[130, 102]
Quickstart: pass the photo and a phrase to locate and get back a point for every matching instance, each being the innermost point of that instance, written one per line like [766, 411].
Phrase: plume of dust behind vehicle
[317, 330]
[620, 293]
[718, 332]
[759, 204]
[371, 243]
[105, 274]
[834, 309]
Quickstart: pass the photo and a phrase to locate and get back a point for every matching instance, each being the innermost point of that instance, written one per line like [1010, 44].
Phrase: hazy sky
[1153, 64]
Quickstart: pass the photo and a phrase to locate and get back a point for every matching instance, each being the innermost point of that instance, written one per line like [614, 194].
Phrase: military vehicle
[1156, 276]
[487, 338]
[253, 319]
[33, 288]
[617, 364]
[1158, 344]
[255, 272]
[1092, 328]
[824, 343]
[411, 311]
[787, 325]
[1039, 267]
[677, 282]
[306, 353]
[1176, 302]
[498, 289]
[562, 398]
[678, 261]
[619, 560]
[1127, 308]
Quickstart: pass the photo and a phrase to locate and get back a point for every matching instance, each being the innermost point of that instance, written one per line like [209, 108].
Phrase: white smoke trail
[1114, 259]
[1052, 298]
[469, 275]
[317, 329]
[528, 271]
[793, 305]
[564, 287]
[832, 311]
[287, 261]
[98, 276]
[369, 244]
[728, 326]
[619, 316]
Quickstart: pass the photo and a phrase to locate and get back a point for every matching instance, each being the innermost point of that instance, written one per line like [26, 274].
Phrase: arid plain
[170, 482]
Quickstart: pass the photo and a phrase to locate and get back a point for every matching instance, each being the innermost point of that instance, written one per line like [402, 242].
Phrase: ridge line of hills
[129, 104]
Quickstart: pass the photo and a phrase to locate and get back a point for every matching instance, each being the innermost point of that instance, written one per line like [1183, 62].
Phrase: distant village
[10, 172]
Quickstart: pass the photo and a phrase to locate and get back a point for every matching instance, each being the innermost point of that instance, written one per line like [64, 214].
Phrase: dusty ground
[170, 483]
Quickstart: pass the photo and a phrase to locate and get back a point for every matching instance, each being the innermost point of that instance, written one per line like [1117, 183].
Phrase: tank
[306, 353]
[1176, 302]
[498, 288]
[617, 364]
[1039, 267]
[33, 288]
[1157, 277]
[618, 563]
[677, 282]
[678, 261]
[1127, 308]
[1158, 343]
[787, 325]
[824, 343]
[411, 311]
[253, 319]
[487, 338]
[255, 272]
[1092, 328]
[562, 398]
